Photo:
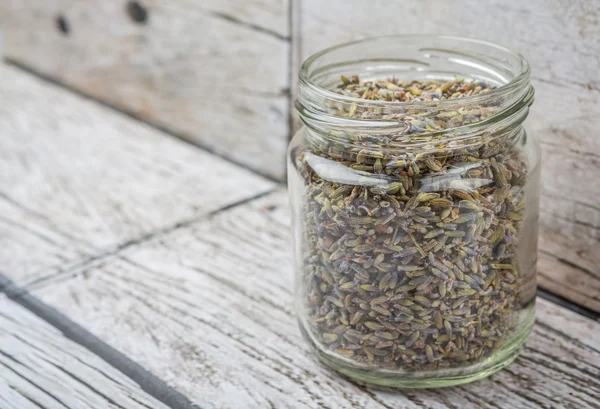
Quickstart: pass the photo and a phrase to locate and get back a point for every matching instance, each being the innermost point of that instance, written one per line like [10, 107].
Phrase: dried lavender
[410, 240]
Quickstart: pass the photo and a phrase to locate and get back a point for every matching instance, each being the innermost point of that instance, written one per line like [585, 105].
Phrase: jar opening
[352, 121]
[416, 57]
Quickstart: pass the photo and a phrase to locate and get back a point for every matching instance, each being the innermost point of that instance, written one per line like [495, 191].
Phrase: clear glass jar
[415, 223]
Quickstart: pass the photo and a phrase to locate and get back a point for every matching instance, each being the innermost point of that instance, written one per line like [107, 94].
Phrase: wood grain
[570, 269]
[79, 179]
[208, 308]
[215, 72]
[558, 37]
[40, 368]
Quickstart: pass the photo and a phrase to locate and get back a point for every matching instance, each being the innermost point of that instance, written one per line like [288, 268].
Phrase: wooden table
[138, 271]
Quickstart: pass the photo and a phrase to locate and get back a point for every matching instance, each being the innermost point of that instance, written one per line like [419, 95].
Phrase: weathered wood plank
[79, 179]
[571, 269]
[214, 72]
[209, 309]
[40, 368]
[558, 37]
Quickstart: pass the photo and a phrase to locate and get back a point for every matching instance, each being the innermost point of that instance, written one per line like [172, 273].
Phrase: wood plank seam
[296, 61]
[291, 76]
[567, 304]
[570, 269]
[547, 283]
[236, 20]
[251, 26]
[131, 114]
[82, 264]
[149, 383]
[571, 264]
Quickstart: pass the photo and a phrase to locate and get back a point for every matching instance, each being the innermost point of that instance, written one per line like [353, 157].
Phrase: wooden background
[138, 270]
[222, 74]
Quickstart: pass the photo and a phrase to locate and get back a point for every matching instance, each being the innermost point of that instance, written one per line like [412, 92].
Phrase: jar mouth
[509, 71]
[351, 121]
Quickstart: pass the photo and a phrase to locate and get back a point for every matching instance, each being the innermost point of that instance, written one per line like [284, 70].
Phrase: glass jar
[415, 223]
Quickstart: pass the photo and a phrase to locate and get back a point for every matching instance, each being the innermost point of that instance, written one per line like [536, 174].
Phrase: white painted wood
[560, 38]
[570, 268]
[215, 72]
[78, 179]
[208, 308]
[40, 368]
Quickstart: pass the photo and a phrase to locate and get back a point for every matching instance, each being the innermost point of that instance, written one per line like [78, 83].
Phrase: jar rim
[517, 82]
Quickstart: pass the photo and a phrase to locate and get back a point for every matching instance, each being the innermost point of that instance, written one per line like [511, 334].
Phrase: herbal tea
[410, 200]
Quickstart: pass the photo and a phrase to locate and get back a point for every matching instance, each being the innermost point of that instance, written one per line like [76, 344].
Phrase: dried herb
[410, 240]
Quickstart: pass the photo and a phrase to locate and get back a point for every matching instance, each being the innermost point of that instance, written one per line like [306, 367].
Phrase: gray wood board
[40, 368]
[214, 72]
[208, 308]
[570, 269]
[560, 38]
[79, 179]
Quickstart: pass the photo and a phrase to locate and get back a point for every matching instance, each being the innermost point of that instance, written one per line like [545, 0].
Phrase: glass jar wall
[414, 191]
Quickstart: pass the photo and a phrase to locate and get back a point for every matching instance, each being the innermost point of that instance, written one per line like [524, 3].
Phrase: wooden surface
[570, 269]
[79, 180]
[214, 72]
[40, 368]
[208, 308]
[560, 38]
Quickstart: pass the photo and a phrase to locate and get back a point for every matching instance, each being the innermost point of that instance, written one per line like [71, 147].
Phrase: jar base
[450, 377]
